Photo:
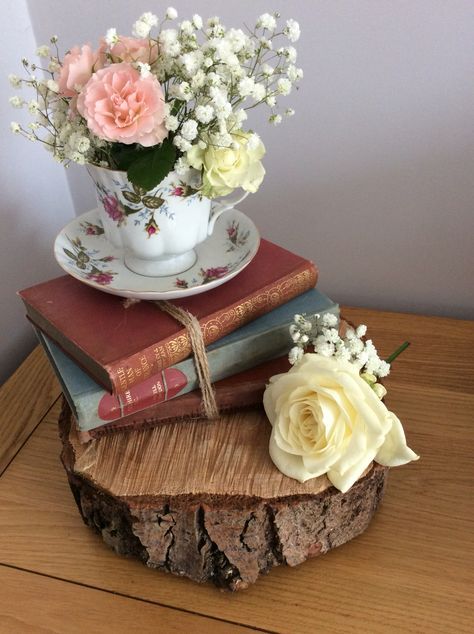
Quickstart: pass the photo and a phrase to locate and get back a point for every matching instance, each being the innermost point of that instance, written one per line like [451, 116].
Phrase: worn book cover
[264, 338]
[120, 347]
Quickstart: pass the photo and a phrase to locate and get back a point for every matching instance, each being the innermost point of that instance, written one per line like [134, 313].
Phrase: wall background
[372, 178]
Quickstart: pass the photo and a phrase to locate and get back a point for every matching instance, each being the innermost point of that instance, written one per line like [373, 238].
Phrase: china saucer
[82, 251]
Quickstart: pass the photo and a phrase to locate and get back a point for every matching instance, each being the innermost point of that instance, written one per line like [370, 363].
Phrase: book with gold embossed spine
[120, 347]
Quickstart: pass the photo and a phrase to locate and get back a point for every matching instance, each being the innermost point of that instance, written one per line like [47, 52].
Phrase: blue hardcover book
[261, 340]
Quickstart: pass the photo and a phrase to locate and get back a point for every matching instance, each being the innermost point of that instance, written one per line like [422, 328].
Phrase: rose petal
[394, 451]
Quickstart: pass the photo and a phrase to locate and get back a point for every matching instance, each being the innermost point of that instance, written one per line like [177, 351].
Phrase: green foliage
[152, 165]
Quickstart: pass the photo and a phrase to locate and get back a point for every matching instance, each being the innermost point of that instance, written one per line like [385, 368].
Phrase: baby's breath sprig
[323, 334]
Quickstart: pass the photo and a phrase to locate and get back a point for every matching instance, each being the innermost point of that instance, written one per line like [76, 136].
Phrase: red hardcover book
[235, 392]
[120, 347]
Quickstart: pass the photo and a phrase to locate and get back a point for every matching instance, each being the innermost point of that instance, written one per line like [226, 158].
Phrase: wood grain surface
[411, 571]
[227, 456]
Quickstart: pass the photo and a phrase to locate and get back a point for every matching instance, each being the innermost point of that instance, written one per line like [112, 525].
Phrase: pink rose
[129, 49]
[120, 105]
[78, 66]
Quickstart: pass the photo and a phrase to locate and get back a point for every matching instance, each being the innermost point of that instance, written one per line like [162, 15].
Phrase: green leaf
[122, 156]
[153, 165]
[131, 197]
[152, 202]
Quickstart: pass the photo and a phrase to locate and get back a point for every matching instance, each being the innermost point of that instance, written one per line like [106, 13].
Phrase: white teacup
[156, 229]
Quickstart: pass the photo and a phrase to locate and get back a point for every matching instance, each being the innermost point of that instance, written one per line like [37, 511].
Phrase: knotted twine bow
[194, 331]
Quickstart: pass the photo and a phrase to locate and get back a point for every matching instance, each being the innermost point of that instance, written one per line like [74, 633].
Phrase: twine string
[194, 331]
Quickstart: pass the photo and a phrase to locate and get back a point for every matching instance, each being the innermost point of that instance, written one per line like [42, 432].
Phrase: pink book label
[161, 387]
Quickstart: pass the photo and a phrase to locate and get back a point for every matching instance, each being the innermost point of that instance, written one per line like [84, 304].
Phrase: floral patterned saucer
[82, 251]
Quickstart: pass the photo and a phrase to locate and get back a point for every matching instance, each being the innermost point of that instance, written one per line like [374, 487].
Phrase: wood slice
[203, 499]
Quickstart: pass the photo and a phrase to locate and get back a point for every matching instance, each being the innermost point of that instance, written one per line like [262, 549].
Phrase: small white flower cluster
[67, 138]
[322, 333]
[210, 76]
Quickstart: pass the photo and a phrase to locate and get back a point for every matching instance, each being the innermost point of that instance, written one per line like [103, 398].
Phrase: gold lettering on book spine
[180, 347]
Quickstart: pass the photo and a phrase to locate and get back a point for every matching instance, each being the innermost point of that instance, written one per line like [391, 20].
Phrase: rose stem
[398, 351]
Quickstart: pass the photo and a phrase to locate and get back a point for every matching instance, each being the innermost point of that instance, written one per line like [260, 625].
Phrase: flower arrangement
[175, 100]
[327, 413]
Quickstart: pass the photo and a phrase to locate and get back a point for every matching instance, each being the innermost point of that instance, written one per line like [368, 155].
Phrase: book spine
[99, 408]
[133, 370]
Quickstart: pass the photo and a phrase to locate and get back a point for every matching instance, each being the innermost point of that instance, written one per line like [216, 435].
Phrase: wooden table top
[411, 571]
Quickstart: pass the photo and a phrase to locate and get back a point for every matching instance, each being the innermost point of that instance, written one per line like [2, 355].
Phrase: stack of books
[129, 367]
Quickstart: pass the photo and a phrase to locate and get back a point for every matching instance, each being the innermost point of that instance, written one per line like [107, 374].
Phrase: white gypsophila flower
[78, 158]
[14, 80]
[198, 80]
[181, 143]
[253, 142]
[329, 320]
[53, 85]
[181, 91]
[236, 39]
[341, 352]
[33, 125]
[284, 86]
[246, 86]
[275, 119]
[202, 144]
[33, 106]
[326, 348]
[16, 102]
[212, 22]
[144, 24]
[355, 346]
[111, 36]
[259, 92]
[181, 166]
[208, 62]
[171, 13]
[15, 127]
[144, 69]
[291, 54]
[42, 51]
[292, 73]
[292, 30]
[361, 330]
[54, 66]
[191, 62]
[204, 114]
[383, 369]
[331, 334]
[186, 27]
[266, 44]
[82, 144]
[266, 21]
[295, 355]
[295, 333]
[169, 43]
[289, 112]
[197, 21]
[271, 101]
[189, 130]
[171, 123]
[267, 70]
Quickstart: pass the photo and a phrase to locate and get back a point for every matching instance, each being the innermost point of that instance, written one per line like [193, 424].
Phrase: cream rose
[327, 420]
[225, 169]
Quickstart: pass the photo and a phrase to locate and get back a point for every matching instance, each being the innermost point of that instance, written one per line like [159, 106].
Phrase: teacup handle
[218, 208]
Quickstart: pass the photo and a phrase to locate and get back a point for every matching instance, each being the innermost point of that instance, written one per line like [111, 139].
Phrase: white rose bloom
[327, 420]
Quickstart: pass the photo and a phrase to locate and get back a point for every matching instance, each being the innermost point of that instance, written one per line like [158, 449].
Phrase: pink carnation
[78, 66]
[120, 105]
[129, 49]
